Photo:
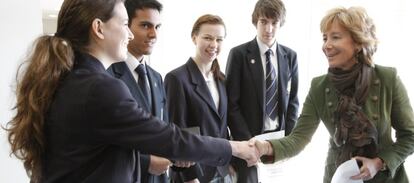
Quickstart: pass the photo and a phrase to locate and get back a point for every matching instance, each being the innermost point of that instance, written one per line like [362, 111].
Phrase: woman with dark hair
[197, 97]
[359, 102]
[76, 123]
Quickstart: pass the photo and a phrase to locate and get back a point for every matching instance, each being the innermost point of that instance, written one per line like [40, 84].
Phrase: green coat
[387, 106]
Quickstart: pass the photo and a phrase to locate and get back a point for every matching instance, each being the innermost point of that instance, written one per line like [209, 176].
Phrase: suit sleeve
[237, 124]
[144, 163]
[402, 120]
[293, 101]
[114, 118]
[178, 112]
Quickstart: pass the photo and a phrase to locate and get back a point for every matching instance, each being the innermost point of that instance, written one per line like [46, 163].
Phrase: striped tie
[271, 88]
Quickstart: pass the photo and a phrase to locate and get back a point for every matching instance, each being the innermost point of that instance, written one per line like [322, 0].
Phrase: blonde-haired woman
[358, 101]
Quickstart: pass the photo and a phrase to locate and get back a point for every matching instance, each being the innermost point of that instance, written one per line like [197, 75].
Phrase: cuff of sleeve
[277, 150]
[144, 162]
[392, 166]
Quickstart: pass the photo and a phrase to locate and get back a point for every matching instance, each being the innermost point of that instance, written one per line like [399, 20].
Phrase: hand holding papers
[345, 171]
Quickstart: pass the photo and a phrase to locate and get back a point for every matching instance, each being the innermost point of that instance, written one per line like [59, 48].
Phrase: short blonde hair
[360, 26]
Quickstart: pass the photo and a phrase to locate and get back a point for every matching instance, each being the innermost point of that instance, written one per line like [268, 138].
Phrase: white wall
[21, 22]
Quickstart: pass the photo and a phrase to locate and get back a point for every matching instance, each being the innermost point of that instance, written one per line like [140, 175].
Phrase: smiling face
[117, 34]
[339, 47]
[208, 41]
[144, 26]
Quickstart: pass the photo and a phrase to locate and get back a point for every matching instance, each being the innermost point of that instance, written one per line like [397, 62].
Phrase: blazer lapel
[223, 99]
[200, 85]
[121, 71]
[256, 69]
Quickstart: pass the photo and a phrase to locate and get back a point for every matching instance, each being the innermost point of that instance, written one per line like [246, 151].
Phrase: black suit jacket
[121, 71]
[190, 104]
[94, 125]
[245, 87]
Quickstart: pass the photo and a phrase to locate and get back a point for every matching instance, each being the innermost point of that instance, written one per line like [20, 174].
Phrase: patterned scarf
[355, 134]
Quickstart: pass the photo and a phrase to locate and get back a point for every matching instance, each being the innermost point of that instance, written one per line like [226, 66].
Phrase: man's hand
[263, 147]
[158, 165]
[243, 150]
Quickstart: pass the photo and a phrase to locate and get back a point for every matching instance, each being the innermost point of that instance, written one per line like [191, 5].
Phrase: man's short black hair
[133, 5]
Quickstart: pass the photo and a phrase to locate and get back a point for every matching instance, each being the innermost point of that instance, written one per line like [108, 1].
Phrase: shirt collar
[133, 62]
[263, 47]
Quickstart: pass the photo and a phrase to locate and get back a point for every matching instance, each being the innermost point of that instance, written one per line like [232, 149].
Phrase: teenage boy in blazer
[144, 22]
[246, 82]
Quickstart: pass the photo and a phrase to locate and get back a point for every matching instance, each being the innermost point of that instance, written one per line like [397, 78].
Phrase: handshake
[251, 150]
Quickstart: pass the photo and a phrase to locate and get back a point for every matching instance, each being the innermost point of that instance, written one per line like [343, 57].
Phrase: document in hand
[268, 173]
[346, 170]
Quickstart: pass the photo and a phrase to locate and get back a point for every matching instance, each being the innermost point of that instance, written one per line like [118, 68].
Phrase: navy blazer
[121, 71]
[190, 104]
[245, 87]
[94, 125]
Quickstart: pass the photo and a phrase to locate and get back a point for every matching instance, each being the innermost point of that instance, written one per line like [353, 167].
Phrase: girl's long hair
[38, 78]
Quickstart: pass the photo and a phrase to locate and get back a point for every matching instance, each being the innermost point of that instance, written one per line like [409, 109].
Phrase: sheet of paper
[268, 173]
[345, 171]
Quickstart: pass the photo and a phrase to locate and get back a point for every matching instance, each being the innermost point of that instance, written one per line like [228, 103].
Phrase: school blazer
[94, 125]
[245, 85]
[387, 106]
[121, 71]
[190, 104]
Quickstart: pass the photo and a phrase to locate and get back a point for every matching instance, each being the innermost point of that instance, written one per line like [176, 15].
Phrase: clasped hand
[251, 150]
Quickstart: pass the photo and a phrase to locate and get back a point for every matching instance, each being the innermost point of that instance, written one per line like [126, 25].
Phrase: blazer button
[376, 82]
[330, 104]
[375, 117]
[375, 98]
[327, 90]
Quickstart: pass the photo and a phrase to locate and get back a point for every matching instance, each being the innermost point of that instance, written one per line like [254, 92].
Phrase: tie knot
[268, 53]
[141, 70]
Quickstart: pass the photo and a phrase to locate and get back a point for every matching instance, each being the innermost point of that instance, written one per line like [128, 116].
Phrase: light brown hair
[274, 9]
[50, 60]
[213, 20]
[360, 26]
